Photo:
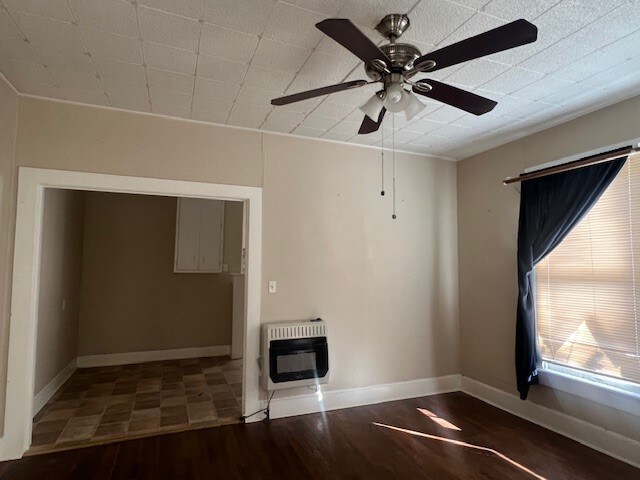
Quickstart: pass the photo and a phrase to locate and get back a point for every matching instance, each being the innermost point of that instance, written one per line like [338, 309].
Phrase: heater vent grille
[294, 354]
[296, 330]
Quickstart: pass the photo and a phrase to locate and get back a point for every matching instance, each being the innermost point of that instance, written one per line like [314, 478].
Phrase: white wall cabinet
[199, 236]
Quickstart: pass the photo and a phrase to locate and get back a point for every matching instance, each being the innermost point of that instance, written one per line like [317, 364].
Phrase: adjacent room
[320, 239]
[135, 317]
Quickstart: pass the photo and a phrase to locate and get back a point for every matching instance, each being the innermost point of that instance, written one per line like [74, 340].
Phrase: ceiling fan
[395, 64]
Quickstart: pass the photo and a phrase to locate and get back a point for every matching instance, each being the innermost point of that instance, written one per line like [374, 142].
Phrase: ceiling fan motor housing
[392, 26]
[402, 56]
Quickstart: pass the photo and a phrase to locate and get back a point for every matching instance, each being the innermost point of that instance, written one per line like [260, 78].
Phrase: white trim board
[41, 398]
[355, 397]
[110, 359]
[605, 441]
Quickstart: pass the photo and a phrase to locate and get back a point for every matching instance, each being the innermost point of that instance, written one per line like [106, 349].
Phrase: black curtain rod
[582, 162]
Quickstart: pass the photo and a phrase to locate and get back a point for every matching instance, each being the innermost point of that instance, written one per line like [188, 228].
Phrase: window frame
[593, 389]
[616, 393]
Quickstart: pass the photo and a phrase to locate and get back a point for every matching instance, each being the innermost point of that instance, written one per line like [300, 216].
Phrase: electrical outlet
[273, 286]
[225, 267]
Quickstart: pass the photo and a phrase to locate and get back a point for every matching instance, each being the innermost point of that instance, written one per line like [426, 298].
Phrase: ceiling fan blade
[318, 92]
[350, 37]
[467, 101]
[369, 126]
[508, 36]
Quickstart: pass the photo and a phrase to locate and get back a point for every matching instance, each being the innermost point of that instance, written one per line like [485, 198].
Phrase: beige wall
[233, 227]
[89, 139]
[328, 238]
[387, 289]
[132, 300]
[487, 224]
[8, 177]
[60, 275]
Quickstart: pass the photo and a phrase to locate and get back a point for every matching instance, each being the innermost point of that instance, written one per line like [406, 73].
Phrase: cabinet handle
[194, 259]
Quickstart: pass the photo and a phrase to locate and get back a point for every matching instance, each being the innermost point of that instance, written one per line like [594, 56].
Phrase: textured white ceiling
[222, 61]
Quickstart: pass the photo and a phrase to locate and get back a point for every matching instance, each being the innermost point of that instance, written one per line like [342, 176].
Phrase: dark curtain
[549, 209]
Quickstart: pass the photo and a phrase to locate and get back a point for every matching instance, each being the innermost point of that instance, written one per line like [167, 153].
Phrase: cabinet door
[211, 224]
[188, 234]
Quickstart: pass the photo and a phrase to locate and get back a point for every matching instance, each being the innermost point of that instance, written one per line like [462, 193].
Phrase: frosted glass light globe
[414, 107]
[396, 99]
[373, 107]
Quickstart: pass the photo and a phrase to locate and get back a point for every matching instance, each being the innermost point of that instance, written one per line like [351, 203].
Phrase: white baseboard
[354, 397]
[111, 359]
[605, 441]
[41, 398]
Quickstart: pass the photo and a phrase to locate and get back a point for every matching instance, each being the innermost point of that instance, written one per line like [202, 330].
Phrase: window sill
[596, 392]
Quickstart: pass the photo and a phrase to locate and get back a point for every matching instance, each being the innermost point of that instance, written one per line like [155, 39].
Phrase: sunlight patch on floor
[463, 444]
[440, 421]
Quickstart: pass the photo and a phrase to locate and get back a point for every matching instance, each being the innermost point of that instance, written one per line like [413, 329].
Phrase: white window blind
[588, 288]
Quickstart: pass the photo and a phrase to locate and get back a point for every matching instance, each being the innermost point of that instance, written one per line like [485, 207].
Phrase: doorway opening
[135, 317]
[176, 385]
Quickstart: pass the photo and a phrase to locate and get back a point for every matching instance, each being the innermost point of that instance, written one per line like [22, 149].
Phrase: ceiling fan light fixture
[415, 106]
[397, 98]
[373, 107]
[394, 64]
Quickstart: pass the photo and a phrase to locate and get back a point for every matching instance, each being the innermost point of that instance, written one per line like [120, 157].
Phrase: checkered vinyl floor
[103, 404]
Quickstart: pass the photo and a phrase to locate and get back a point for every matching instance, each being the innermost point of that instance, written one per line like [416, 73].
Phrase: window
[588, 288]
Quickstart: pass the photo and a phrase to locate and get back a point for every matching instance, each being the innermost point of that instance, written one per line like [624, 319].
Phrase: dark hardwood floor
[344, 444]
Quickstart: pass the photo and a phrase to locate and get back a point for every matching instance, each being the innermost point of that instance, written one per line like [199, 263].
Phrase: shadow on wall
[60, 283]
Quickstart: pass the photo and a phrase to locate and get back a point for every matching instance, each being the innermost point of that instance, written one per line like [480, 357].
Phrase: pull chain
[393, 140]
[382, 130]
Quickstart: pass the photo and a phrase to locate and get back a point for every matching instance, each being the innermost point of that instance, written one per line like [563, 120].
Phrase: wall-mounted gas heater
[294, 354]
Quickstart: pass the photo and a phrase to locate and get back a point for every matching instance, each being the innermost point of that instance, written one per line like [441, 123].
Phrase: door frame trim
[32, 183]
